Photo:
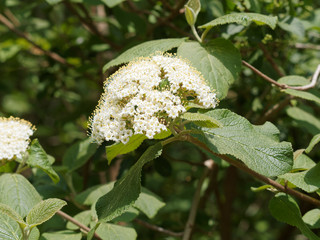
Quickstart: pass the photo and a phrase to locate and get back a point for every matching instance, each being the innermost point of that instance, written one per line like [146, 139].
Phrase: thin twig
[307, 46]
[274, 110]
[50, 54]
[195, 202]
[88, 22]
[137, 10]
[157, 228]
[271, 61]
[265, 179]
[285, 86]
[166, 4]
[75, 222]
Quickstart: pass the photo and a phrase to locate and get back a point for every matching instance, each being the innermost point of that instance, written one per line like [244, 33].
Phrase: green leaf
[119, 148]
[190, 16]
[91, 195]
[144, 50]
[127, 189]
[312, 94]
[5, 209]
[38, 158]
[308, 180]
[218, 61]
[84, 217]
[61, 235]
[261, 188]
[127, 216]
[256, 146]
[34, 234]
[312, 218]
[44, 210]
[78, 154]
[201, 119]
[195, 5]
[303, 162]
[314, 141]
[112, 3]
[8, 167]
[163, 134]
[109, 231]
[285, 209]
[9, 229]
[148, 203]
[20, 195]
[304, 119]
[92, 231]
[242, 18]
[192, 9]
[292, 25]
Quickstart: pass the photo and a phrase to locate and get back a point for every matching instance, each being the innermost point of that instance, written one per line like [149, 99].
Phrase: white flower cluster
[14, 137]
[145, 96]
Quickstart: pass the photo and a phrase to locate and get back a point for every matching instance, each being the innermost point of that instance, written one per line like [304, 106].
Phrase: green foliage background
[59, 96]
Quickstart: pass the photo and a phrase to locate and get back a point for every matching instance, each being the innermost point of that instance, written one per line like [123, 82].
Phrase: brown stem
[196, 198]
[211, 187]
[79, 224]
[270, 60]
[50, 54]
[285, 86]
[262, 178]
[137, 10]
[226, 210]
[274, 110]
[307, 46]
[157, 228]
[89, 23]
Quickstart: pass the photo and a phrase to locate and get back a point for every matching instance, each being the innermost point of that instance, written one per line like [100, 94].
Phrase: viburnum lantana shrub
[166, 92]
[146, 96]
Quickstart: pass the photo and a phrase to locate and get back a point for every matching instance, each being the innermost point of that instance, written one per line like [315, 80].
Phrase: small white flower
[14, 137]
[145, 96]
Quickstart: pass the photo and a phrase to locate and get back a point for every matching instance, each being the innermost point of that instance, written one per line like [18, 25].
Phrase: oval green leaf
[43, 211]
[242, 18]
[144, 50]
[20, 195]
[218, 61]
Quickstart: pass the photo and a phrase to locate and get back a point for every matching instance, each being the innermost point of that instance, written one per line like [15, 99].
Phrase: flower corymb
[145, 96]
[14, 137]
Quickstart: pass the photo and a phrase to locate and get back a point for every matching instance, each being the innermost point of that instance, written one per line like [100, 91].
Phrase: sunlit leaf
[144, 50]
[20, 195]
[218, 61]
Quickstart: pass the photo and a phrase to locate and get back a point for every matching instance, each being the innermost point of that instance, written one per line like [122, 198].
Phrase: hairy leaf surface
[20, 195]
[38, 158]
[119, 148]
[44, 210]
[242, 18]
[312, 218]
[218, 61]
[308, 180]
[109, 231]
[257, 146]
[127, 189]
[144, 50]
